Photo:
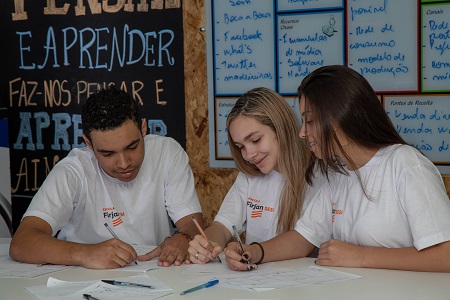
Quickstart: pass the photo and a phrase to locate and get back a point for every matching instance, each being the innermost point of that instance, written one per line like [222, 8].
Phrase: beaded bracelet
[262, 252]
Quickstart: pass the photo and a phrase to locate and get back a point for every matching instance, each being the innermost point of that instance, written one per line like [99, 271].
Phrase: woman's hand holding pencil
[201, 249]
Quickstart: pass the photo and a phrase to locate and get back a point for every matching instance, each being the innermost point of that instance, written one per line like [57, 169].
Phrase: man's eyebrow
[132, 143]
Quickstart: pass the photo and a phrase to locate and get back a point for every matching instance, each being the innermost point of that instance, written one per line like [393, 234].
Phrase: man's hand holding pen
[109, 254]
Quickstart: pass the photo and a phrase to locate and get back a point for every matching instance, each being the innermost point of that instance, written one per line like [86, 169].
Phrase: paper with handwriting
[141, 266]
[59, 289]
[12, 268]
[268, 279]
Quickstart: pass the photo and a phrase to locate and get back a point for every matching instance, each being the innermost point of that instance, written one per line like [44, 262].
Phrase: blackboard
[424, 122]
[57, 54]
[387, 41]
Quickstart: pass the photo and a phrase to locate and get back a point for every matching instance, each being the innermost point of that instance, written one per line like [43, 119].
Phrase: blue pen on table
[114, 235]
[201, 286]
[125, 283]
[236, 235]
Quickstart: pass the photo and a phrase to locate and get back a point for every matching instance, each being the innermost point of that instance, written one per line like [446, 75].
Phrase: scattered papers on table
[218, 268]
[142, 266]
[58, 289]
[262, 280]
[12, 268]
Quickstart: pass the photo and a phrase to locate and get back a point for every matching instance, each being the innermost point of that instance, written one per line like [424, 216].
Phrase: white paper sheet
[142, 266]
[221, 268]
[58, 289]
[293, 277]
[273, 278]
[12, 268]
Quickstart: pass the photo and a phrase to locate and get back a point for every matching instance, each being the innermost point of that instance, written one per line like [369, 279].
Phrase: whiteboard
[223, 107]
[384, 40]
[306, 42]
[243, 46]
[383, 43]
[288, 5]
[435, 48]
[424, 122]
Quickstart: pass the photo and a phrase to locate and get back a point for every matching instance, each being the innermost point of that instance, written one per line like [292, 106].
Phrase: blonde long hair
[270, 109]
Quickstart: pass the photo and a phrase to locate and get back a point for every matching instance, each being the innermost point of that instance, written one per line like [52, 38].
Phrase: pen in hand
[203, 234]
[114, 235]
[236, 235]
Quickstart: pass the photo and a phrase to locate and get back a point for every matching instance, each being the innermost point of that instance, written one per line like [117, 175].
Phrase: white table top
[374, 284]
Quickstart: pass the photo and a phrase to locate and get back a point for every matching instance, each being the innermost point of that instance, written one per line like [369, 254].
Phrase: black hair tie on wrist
[262, 252]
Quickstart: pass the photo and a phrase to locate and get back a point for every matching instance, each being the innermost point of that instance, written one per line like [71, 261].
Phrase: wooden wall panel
[211, 184]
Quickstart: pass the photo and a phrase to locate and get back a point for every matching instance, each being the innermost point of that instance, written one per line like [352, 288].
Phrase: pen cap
[212, 282]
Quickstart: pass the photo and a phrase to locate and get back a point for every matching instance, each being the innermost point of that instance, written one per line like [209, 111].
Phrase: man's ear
[88, 142]
[144, 127]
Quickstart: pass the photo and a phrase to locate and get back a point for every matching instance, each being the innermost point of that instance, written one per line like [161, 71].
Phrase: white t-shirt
[78, 197]
[252, 205]
[408, 206]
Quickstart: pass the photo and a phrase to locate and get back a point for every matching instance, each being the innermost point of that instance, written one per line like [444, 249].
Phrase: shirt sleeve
[316, 223]
[55, 200]
[423, 197]
[233, 210]
[180, 195]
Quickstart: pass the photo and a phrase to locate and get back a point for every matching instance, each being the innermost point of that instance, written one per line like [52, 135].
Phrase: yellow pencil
[203, 234]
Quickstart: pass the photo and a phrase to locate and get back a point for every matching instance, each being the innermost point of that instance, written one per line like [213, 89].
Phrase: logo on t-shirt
[111, 213]
[256, 208]
[335, 212]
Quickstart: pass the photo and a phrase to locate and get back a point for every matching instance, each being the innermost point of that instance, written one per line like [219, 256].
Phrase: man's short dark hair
[108, 109]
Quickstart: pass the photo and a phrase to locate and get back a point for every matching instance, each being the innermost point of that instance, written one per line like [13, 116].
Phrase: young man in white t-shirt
[136, 184]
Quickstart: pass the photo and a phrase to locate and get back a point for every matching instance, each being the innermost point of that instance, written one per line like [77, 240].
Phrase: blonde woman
[270, 190]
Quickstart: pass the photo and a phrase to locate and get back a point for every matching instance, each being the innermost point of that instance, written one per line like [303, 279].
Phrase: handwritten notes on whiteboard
[399, 46]
[307, 42]
[424, 122]
[244, 52]
[436, 47]
[289, 5]
[223, 107]
[382, 43]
